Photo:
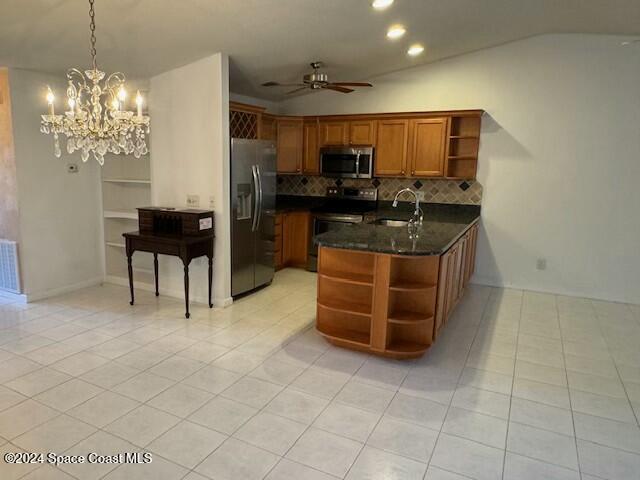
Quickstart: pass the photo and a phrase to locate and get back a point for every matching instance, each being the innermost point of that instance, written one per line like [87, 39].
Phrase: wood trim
[400, 115]
[245, 107]
[380, 309]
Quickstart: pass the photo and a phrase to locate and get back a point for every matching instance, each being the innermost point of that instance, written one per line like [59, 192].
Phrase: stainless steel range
[344, 206]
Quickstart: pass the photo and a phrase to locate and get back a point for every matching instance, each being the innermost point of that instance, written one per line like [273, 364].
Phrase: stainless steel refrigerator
[253, 201]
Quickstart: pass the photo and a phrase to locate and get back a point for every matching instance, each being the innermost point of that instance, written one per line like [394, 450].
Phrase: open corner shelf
[407, 349]
[401, 317]
[345, 336]
[349, 277]
[346, 307]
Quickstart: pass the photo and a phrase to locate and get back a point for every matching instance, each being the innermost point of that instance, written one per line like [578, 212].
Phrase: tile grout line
[513, 381]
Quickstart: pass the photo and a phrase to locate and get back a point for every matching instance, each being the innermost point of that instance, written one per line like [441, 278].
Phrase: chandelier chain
[92, 27]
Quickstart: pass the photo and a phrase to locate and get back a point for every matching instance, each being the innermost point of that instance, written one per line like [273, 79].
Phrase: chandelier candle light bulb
[97, 122]
[139, 103]
[50, 98]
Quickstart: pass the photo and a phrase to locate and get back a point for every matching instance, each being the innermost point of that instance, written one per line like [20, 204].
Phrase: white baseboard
[53, 292]
[490, 282]
[217, 302]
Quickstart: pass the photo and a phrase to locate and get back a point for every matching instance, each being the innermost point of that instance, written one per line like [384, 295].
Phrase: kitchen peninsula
[390, 289]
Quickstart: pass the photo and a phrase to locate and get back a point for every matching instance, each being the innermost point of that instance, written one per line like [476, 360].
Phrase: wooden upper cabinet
[310, 153]
[268, 128]
[362, 132]
[427, 147]
[334, 133]
[391, 148]
[289, 142]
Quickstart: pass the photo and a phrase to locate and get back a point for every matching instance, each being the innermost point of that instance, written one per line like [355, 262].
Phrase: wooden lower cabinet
[292, 234]
[277, 241]
[391, 305]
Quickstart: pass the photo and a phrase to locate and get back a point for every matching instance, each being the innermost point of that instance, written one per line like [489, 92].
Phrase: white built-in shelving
[126, 185]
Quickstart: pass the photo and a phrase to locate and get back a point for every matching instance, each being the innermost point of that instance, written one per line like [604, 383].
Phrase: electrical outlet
[541, 264]
[72, 168]
[212, 202]
[421, 195]
[193, 201]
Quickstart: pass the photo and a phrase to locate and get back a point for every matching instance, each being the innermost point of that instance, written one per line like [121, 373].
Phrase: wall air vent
[9, 266]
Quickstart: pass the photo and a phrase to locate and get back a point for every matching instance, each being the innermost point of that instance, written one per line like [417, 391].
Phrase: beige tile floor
[520, 386]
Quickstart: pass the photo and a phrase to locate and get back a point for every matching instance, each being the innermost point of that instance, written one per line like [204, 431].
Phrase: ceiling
[276, 39]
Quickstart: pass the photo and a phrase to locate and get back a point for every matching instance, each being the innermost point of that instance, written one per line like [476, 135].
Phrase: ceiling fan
[317, 81]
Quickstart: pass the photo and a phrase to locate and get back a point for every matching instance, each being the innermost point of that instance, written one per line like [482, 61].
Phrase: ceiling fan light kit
[317, 80]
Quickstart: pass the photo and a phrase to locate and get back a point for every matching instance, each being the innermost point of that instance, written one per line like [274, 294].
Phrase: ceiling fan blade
[352, 84]
[276, 84]
[337, 88]
[296, 90]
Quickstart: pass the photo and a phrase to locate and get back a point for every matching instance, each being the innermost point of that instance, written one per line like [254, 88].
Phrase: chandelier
[97, 121]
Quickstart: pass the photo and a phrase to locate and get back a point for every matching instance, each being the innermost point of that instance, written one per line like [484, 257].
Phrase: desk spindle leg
[186, 289]
[130, 268]
[210, 280]
[155, 271]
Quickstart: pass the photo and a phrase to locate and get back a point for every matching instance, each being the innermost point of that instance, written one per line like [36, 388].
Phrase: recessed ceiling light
[395, 31]
[415, 49]
[381, 4]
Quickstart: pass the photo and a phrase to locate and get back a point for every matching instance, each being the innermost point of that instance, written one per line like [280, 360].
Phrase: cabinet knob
[413, 172]
[403, 172]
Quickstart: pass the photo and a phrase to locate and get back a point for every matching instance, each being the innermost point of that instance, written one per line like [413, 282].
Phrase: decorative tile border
[435, 190]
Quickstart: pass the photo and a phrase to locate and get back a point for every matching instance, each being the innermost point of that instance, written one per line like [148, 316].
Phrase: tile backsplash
[435, 190]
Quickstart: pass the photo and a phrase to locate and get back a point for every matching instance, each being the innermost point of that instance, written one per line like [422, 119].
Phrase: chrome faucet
[418, 216]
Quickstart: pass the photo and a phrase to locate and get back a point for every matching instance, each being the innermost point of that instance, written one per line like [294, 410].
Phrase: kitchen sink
[390, 222]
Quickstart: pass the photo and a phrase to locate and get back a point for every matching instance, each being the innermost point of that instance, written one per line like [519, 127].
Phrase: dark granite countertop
[442, 226]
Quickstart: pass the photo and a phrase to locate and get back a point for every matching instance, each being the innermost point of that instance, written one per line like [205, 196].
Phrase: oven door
[344, 162]
[326, 223]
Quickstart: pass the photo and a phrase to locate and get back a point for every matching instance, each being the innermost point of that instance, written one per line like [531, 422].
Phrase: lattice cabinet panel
[243, 124]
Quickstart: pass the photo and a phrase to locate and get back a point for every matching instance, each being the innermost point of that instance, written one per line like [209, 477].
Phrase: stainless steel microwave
[346, 162]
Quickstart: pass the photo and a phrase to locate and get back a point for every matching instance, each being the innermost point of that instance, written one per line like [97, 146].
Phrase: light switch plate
[193, 201]
[212, 202]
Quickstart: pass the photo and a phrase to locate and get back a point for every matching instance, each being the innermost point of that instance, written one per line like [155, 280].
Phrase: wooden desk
[185, 247]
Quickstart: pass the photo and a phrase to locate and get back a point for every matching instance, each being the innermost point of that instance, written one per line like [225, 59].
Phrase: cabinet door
[451, 281]
[295, 239]
[268, 128]
[289, 154]
[391, 148]
[443, 293]
[427, 147]
[362, 132]
[334, 133]
[310, 163]
[277, 240]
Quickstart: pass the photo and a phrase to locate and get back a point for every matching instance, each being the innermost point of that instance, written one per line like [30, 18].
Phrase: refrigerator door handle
[259, 188]
[256, 199]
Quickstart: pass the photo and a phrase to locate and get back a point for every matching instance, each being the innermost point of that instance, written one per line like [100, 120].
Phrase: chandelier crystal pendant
[96, 122]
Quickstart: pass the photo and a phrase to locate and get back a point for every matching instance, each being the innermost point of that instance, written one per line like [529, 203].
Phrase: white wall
[59, 212]
[189, 108]
[558, 157]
